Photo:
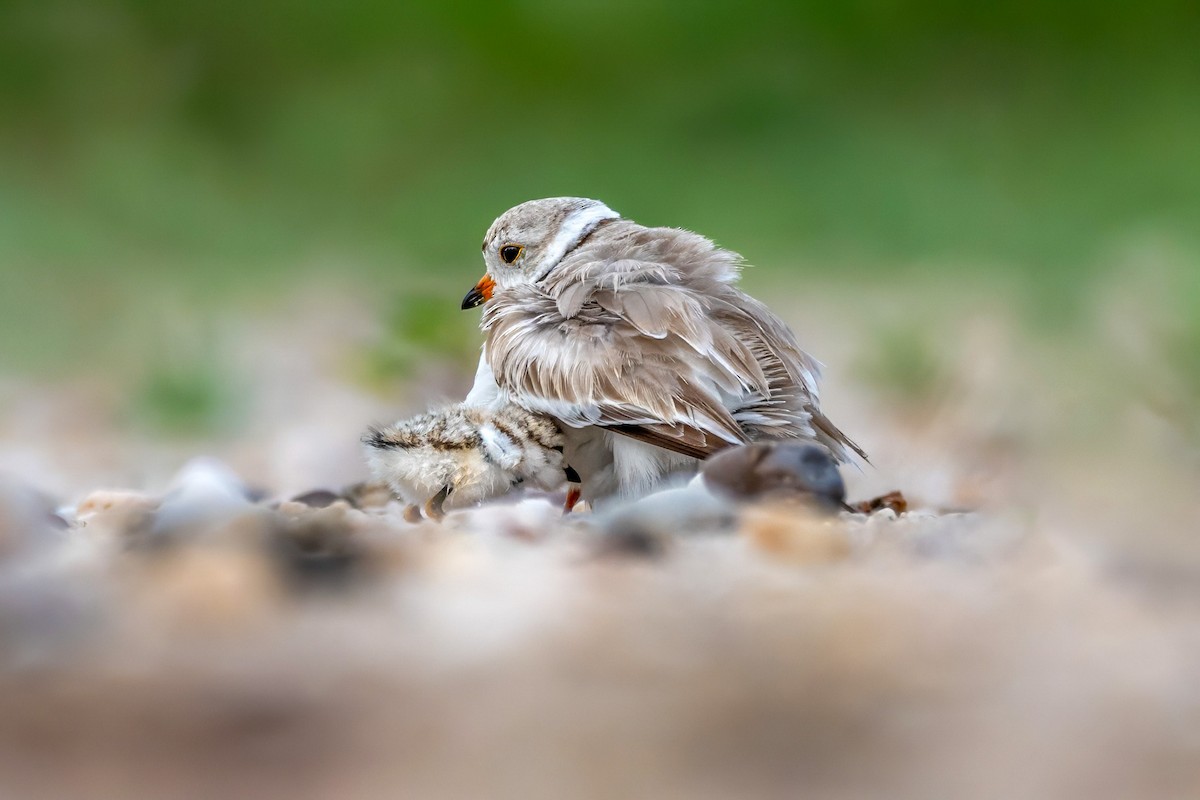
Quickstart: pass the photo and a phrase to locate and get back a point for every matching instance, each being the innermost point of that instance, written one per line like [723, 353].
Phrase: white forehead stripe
[577, 225]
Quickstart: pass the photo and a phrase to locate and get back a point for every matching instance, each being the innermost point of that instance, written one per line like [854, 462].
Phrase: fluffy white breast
[485, 393]
[642, 468]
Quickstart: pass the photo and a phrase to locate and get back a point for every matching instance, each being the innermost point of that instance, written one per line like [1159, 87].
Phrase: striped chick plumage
[463, 455]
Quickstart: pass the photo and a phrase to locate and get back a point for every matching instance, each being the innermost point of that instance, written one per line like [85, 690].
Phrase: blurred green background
[220, 152]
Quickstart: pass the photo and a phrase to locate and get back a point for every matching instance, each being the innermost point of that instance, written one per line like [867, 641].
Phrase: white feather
[641, 468]
[498, 448]
[484, 392]
[574, 227]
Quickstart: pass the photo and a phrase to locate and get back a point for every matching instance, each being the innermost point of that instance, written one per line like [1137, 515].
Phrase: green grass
[905, 366]
[216, 149]
[1178, 390]
[191, 396]
[418, 327]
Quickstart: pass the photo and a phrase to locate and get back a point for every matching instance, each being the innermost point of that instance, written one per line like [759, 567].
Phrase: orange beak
[480, 294]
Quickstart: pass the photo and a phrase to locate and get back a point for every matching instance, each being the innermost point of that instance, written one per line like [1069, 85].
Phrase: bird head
[527, 241]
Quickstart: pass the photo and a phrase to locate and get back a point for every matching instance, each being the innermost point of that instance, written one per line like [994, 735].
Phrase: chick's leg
[433, 506]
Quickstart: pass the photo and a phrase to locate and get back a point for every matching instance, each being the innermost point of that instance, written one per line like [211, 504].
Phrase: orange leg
[573, 495]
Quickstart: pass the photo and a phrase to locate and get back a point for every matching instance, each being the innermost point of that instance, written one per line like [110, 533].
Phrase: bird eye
[511, 252]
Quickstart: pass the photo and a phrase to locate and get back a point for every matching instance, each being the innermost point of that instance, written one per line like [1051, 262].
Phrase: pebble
[795, 532]
[317, 551]
[317, 498]
[691, 509]
[115, 516]
[204, 492]
[368, 494]
[776, 470]
[27, 520]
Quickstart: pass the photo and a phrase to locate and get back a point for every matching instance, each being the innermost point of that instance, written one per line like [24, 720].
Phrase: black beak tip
[474, 298]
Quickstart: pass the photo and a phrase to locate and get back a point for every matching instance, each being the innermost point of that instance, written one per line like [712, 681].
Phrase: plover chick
[463, 455]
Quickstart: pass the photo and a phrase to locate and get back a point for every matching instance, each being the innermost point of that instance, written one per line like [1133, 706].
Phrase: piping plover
[638, 342]
[463, 455]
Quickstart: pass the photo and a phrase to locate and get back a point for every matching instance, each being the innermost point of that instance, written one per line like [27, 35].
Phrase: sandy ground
[1031, 629]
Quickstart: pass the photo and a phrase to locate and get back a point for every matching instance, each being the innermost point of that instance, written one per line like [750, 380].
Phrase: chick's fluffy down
[476, 453]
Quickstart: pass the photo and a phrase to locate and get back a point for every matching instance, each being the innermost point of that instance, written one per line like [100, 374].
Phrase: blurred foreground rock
[198, 644]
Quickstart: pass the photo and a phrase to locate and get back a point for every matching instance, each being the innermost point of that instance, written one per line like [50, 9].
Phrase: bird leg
[573, 495]
[433, 506]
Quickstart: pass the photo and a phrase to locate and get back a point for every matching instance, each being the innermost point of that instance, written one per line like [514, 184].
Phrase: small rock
[105, 500]
[317, 498]
[116, 516]
[794, 532]
[368, 494]
[688, 510]
[896, 501]
[633, 542]
[317, 552]
[206, 491]
[777, 470]
[208, 588]
[26, 520]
